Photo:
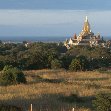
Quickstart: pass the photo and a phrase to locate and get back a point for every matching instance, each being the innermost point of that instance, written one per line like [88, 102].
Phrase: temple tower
[86, 27]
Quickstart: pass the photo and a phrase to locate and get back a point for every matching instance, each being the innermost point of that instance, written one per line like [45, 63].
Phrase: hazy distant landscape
[40, 39]
[34, 39]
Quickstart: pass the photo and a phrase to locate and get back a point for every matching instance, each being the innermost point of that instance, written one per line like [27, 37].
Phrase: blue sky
[53, 17]
[55, 4]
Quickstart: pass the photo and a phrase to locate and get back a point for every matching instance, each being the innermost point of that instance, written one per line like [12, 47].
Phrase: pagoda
[85, 38]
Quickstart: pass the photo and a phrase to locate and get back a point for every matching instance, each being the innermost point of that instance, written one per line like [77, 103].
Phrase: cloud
[51, 17]
[66, 20]
[37, 17]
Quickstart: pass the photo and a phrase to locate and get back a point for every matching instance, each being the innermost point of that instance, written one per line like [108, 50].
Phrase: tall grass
[54, 89]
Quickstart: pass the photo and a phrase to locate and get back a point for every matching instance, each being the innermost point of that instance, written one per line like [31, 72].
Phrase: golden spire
[86, 27]
[86, 19]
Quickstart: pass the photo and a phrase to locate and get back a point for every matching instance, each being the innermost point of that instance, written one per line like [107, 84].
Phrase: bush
[102, 69]
[102, 102]
[7, 67]
[56, 64]
[79, 63]
[11, 75]
[75, 65]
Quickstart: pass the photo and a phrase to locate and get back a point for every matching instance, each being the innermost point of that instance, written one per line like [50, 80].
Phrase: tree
[66, 60]
[56, 64]
[102, 102]
[11, 75]
[79, 63]
[75, 65]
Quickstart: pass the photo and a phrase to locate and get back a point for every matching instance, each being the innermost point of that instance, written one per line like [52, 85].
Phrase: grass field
[57, 90]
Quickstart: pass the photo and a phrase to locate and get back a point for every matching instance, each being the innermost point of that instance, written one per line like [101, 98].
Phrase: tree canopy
[40, 55]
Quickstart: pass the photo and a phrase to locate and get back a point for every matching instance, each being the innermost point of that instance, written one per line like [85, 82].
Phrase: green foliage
[84, 62]
[39, 55]
[7, 67]
[11, 75]
[56, 64]
[66, 60]
[75, 65]
[79, 63]
[102, 69]
[102, 102]
[96, 56]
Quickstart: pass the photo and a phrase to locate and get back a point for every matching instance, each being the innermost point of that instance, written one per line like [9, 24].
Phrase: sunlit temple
[85, 38]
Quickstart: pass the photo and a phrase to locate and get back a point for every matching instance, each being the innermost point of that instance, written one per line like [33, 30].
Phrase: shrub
[102, 69]
[102, 102]
[79, 63]
[75, 65]
[7, 67]
[56, 64]
[11, 75]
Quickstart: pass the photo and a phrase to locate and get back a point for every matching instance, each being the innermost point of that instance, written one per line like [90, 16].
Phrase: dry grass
[55, 90]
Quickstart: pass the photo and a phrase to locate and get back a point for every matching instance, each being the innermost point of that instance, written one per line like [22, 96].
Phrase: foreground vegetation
[45, 85]
[57, 90]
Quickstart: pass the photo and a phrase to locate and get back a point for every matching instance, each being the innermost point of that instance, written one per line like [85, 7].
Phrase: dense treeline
[53, 55]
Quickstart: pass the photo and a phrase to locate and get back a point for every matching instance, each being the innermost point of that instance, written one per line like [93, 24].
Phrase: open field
[57, 90]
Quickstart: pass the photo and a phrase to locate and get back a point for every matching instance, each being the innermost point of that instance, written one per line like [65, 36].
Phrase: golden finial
[86, 19]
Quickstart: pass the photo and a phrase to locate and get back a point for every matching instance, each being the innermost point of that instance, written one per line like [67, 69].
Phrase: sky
[53, 17]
